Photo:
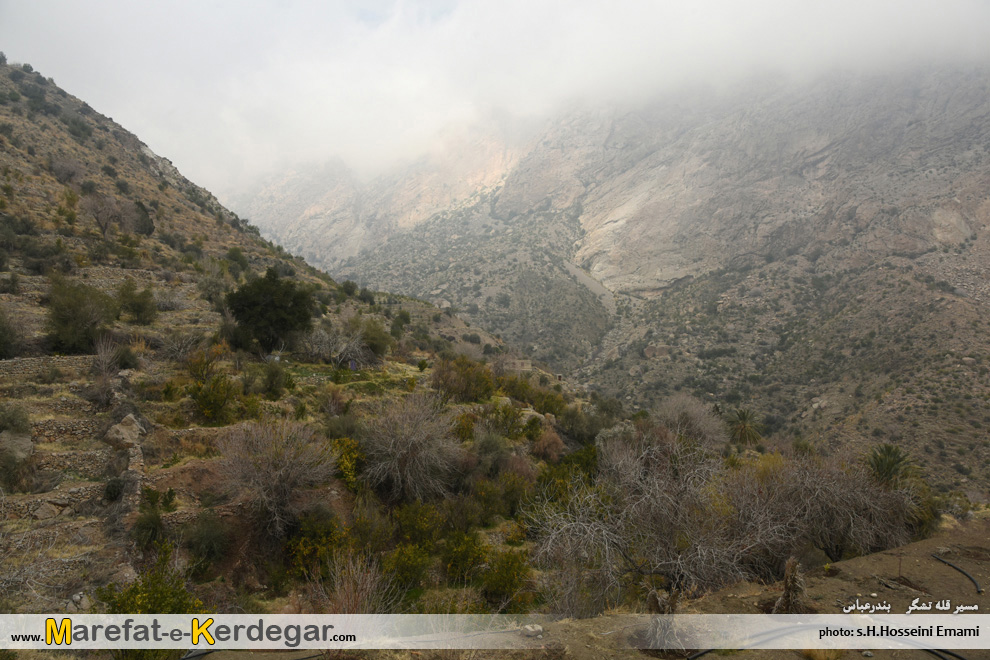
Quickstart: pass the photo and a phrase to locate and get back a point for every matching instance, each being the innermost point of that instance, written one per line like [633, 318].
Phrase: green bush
[462, 554]
[10, 338]
[237, 262]
[462, 513]
[407, 564]
[114, 490]
[208, 539]
[140, 305]
[420, 524]
[376, 338]
[149, 529]
[502, 418]
[314, 541]
[214, 398]
[12, 284]
[505, 578]
[127, 358]
[492, 450]
[277, 380]
[77, 314]
[159, 590]
[269, 308]
[462, 380]
[372, 530]
[515, 491]
[489, 496]
[16, 475]
[14, 418]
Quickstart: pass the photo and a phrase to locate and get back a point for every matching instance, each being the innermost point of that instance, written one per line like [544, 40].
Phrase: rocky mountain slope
[778, 245]
[100, 413]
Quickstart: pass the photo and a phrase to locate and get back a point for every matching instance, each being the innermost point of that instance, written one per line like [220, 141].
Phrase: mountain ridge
[776, 199]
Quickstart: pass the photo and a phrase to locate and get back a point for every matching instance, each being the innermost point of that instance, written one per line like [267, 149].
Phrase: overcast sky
[230, 89]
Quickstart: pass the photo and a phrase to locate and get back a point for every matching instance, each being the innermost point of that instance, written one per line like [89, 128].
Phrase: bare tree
[105, 210]
[844, 509]
[685, 415]
[337, 346]
[409, 447]
[662, 505]
[177, 345]
[105, 368]
[66, 170]
[272, 461]
[169, 299]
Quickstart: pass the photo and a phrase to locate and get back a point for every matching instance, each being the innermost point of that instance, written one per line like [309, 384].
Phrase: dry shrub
[337, 346]
[168, 299]
[66, 170]
[272, 461]
[662, 505]
[332, 401]
[350, 583]
[519, 465]
[177, 346]
[409, 448]
[792, 597]
[686, 416]
[26, 561]
[548, 446]
[104, 370]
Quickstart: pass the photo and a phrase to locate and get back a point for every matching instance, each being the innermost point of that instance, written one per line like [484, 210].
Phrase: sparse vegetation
[430, 466]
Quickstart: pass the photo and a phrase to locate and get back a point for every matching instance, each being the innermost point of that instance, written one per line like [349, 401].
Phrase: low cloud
[231, 90]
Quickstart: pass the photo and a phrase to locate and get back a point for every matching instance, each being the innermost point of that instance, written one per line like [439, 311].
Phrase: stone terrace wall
[32, 366]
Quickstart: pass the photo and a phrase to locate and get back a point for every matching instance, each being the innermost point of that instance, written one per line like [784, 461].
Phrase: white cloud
[230, 89]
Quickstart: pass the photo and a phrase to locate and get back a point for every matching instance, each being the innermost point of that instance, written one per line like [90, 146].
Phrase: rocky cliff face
[778, 245]
[326, 214]
[689, 184]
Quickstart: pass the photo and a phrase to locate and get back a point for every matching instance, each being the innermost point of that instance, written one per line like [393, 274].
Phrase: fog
[232, 90]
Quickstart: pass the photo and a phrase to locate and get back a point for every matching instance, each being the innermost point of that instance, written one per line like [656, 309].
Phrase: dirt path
[604, 295]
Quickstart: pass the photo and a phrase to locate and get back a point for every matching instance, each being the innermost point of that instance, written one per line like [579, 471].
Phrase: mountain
[816, 250]
[166, 413]
[124, 364]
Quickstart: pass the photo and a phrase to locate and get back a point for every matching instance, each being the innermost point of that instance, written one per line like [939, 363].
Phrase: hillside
[192, 420]
[769, 246]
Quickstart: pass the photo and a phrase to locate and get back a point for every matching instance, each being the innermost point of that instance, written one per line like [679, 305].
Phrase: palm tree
[744, 427]
[890, 465]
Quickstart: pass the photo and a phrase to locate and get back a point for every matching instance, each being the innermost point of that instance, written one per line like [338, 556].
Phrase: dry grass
[823, 654]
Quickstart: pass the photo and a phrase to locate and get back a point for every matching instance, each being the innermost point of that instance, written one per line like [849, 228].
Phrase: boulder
[125, 434]
[45, 512]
